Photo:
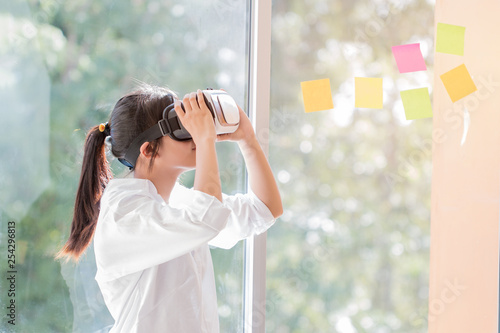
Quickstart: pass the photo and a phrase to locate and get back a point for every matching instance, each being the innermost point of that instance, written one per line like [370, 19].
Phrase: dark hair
[133, 114]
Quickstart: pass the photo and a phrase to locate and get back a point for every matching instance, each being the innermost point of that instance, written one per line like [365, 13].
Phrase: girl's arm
[198, 120]
[261, 178]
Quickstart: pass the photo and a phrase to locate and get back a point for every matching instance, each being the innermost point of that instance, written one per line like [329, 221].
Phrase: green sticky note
[368, 92]
[458, 83]
[450, 39]
[417, 103]
[317, 95]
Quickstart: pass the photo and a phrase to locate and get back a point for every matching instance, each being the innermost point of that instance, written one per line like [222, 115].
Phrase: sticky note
[368, 92]
[417, 103]
[458, 83]
[317, 95]
[450, 39]
[409, 58]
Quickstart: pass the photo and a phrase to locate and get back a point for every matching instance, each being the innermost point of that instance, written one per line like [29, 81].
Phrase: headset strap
[162, 128]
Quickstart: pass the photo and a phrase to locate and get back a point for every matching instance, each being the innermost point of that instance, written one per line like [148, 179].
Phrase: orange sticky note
[368, 92]
[317, 95]
[458, 83]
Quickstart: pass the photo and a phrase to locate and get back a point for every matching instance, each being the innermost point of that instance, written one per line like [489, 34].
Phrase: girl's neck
[164, 181]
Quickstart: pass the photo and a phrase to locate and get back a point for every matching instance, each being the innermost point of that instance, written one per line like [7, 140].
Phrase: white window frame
[259, 85]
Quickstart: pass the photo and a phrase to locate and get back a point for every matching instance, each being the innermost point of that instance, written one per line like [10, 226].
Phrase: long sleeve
[249, 217]
[136, 229]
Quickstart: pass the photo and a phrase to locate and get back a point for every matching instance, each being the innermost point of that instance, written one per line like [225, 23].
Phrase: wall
[463, 295]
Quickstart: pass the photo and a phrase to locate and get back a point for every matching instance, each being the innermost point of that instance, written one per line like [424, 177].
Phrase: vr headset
[224, 111]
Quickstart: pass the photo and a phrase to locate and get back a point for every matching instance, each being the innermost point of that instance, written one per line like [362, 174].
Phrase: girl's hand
[196, 118]
[260, 175]
[245, 132]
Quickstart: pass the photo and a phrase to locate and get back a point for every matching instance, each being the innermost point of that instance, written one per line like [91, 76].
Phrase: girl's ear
[145, 150]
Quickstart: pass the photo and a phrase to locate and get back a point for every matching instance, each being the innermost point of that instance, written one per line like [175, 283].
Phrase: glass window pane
[64, 66]
[351, 252]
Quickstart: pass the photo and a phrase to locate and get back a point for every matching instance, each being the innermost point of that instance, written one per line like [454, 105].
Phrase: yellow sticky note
[368, 92]
[458, 83]
[317, 95]
[417, 103]
[450, 39]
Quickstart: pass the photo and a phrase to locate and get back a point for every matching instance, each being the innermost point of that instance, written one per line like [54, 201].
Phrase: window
[64, 65]
[351, 252]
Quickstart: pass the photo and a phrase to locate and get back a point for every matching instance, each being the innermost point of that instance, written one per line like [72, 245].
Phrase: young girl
[152, 235]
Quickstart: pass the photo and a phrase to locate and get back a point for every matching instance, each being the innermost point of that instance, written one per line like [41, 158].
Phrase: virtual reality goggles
[224, 111]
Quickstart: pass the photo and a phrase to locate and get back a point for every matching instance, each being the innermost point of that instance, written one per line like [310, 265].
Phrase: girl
[151, 235]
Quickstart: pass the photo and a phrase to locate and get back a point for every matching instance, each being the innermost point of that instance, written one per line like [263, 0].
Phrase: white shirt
[154, 267]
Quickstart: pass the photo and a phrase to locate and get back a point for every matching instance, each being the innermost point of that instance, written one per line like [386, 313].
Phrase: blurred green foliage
[350, 254]
[93, 53]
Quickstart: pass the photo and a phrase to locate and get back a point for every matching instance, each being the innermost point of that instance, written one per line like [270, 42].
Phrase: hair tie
[104, 128]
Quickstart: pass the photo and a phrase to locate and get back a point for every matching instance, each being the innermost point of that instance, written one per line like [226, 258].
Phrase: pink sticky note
[409, 58]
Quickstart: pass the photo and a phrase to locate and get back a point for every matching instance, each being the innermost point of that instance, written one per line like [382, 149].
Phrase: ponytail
[94, 177]
[133, 114]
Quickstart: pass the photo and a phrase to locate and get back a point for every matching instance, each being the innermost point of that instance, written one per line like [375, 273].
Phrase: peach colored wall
[463, 294]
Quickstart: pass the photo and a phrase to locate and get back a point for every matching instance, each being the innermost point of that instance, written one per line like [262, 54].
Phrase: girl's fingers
[201, 100]
[186, 102]
[193, 102]
[178, 109]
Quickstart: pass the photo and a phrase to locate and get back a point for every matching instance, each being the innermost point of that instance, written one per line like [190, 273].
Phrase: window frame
[259, 86]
